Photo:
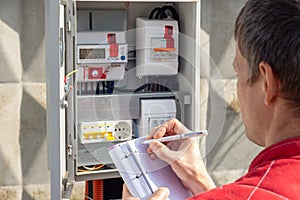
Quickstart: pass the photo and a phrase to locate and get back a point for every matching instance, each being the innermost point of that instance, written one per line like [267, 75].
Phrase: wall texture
[229, 153]
[23, 155]
[23, 144]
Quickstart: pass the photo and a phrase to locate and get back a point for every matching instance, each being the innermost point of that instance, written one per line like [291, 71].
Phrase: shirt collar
[289, 148]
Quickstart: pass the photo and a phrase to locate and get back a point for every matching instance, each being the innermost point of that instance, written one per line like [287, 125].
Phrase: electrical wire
[72, 72]
[88, 198]
[161, 13]
[154, 11]
[88, 169]
[157, 87]
[90, 189]
[172, 10]
[98, 189]
[103, 88]
[152, 87]
[118, 89]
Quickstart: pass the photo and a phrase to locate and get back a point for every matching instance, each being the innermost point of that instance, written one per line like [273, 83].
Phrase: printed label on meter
[160, 52]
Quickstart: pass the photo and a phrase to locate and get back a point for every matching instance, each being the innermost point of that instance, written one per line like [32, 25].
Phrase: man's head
[269, 31]
[267, 62]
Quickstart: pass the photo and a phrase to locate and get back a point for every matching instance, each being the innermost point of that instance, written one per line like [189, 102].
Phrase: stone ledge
[11, 192]
[10, 103]
[41, 192]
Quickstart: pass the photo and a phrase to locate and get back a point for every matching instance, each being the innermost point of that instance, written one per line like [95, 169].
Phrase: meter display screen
[92, 53]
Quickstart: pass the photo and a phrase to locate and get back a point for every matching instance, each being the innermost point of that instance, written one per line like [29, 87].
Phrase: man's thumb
[161, 193]
[162, 151]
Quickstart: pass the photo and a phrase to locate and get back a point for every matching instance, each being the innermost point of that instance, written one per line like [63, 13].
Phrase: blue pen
[176, 137]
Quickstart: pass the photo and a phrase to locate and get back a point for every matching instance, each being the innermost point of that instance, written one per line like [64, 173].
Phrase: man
[267, 63]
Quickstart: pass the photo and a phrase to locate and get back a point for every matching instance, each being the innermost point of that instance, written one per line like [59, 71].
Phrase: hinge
[69, 26]
[70, 150]
[67, 188]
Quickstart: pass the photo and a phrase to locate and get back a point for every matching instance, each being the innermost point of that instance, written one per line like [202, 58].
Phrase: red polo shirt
[273, 174]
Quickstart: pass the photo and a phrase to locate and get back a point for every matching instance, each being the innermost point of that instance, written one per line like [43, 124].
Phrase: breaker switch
[169, 36]
[95, 73]
[114, 47]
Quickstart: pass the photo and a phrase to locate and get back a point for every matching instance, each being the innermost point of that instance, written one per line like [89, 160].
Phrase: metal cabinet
[71, 107]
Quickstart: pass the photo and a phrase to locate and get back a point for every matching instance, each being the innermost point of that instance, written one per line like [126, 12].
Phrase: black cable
[103, 87]
[98, 89]
[141, 87]
[118, 89]
[112, 84]
[154, 11]
[172, 10]
[90, 189]
[160, 13]
[158, 87]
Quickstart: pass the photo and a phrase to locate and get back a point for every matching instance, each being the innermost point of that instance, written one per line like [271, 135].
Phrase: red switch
[95, 73]
[168, 36]
[114, 47]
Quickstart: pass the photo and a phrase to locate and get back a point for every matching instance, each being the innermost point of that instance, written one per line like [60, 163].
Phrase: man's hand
[183, 156]
[160, 194]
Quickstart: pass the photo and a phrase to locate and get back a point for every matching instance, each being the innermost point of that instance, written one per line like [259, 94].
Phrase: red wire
[86, 190]
[98, 189]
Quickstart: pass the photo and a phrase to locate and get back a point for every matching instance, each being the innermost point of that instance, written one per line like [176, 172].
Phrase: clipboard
[143, 175]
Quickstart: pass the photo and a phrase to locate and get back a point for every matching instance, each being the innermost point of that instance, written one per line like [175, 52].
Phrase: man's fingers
[126, 194]
[160, 194]
[161, 151]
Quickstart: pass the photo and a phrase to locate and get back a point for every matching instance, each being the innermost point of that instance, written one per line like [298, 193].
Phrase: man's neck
[284, 125]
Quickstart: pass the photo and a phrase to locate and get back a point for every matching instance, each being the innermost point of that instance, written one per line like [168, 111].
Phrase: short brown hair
[269, 31]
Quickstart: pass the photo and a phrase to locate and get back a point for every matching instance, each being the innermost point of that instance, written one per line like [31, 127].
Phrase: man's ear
[270, 83]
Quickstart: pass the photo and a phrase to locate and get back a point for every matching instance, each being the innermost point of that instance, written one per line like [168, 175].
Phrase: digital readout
[92, 53]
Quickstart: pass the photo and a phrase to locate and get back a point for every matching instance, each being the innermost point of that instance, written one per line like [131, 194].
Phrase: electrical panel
[125, 68]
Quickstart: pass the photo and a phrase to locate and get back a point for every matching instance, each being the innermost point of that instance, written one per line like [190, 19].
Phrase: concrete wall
[23, 150]
[23, 144]
[229, 152]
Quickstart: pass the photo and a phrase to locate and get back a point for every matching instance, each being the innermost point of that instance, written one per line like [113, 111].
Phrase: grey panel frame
[53, 95]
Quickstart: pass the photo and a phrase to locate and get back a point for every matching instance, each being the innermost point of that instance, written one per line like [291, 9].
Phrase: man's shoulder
[275, 178]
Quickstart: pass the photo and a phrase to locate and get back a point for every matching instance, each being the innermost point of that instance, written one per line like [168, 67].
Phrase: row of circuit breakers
[103, 56]
[154, 112]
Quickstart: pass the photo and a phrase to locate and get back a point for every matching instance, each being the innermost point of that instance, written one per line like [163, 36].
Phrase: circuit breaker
[105, 131]
[115, 70]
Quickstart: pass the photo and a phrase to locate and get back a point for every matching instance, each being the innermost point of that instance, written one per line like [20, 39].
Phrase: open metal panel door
[57, 33]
